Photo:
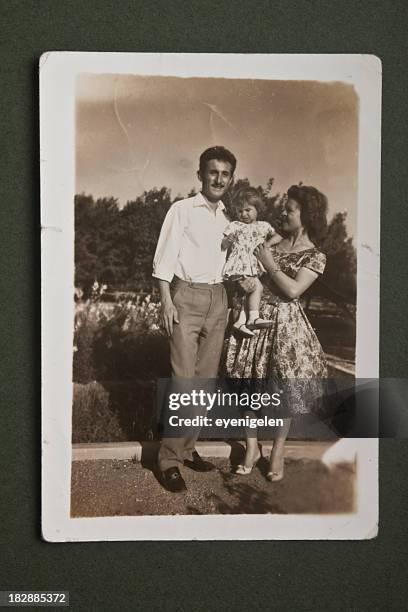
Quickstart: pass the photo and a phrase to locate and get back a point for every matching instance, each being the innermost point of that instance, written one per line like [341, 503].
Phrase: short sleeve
[315, 261]
[230, 229]
[267, 229]
[168, 245]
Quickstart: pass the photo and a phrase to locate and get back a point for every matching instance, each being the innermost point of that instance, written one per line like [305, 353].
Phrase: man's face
[216, 179]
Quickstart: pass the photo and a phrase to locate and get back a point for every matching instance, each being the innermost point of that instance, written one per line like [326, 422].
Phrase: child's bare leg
[240, 323]
[254, 300]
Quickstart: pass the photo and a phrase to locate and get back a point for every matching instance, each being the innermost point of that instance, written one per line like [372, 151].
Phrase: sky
[134, 133]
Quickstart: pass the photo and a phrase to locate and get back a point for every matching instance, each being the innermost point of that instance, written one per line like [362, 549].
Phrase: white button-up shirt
[189, 244]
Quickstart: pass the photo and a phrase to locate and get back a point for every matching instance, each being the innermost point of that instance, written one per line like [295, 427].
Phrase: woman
[289, 349]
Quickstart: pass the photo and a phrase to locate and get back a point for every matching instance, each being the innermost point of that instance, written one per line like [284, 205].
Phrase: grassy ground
[124, 488]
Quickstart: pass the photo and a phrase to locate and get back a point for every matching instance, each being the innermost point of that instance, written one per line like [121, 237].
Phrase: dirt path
[123, 488]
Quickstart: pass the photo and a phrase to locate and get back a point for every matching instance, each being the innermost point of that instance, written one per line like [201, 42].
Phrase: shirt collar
[199, 200]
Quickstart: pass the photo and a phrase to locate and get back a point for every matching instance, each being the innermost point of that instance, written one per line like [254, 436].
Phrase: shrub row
[114, 411]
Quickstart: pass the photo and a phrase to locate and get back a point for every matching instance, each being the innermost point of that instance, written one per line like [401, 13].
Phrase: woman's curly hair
[247, 195]
[313, 210]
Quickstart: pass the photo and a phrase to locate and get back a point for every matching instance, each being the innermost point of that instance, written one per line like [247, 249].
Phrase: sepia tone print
[138, 142]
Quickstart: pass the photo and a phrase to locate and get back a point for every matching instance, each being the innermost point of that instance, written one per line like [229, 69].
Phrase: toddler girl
[241, 237]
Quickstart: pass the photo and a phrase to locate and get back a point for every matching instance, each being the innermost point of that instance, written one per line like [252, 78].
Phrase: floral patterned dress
[241, 260]
[289, 349]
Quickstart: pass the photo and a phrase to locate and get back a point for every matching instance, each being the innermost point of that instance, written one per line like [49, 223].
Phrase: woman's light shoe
[241, 469]
[275, 476]
[244, 470]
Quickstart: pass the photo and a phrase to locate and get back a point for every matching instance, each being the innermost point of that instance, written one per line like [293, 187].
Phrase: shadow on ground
[126, 488]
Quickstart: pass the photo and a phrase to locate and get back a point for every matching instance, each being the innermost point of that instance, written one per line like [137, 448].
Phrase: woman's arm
[273, 239]
[272, 236]
[291, 287]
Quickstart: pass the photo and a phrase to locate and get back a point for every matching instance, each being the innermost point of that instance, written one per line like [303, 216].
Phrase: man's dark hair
[219, 153]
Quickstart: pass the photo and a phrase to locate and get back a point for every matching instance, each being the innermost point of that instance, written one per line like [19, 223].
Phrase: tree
[86, 260]
[339, 281]
[143, 219]
[116, 247]
[97, 247]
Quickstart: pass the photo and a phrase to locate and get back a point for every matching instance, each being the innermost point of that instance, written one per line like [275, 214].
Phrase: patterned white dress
[241, 260]
[287, 351]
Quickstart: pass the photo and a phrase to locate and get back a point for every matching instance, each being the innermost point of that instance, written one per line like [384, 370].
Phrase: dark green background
[201, 576]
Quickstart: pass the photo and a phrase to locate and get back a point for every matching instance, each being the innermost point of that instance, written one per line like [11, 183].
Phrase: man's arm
[164, 263]
[168, 245]
[169, 312]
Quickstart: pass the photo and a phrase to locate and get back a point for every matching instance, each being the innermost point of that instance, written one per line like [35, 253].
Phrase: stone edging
[137, 451]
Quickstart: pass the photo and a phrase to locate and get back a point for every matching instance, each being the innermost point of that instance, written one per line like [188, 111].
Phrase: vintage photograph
[216, 227]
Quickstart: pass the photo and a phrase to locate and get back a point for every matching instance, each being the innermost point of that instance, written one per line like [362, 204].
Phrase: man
[194, 313]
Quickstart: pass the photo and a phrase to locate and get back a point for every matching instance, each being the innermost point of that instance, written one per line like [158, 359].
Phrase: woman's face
[291, 217]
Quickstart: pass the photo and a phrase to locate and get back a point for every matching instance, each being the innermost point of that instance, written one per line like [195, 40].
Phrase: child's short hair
[247, 195]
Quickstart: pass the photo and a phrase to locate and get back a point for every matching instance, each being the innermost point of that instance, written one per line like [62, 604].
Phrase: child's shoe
[243, 329]
[258, 323]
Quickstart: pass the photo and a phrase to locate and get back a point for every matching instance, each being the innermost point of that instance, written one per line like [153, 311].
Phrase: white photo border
[58, 72]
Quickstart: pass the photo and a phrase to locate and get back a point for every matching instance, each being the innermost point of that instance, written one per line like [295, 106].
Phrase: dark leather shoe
[172, 480]
[199, 465]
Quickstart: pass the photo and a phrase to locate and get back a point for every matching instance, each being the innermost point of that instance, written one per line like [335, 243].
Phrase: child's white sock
[241, 319]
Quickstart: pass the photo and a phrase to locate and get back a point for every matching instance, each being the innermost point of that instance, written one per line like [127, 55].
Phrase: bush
[112, 411]
[92, 418]
[134, 403]
[119, 341]
[121, 346]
